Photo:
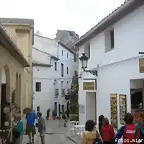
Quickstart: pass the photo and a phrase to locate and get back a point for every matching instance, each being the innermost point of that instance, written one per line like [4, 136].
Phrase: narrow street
[57, 139]
[56, 134]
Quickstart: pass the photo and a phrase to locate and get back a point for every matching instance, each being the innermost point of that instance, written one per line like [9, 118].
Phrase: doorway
[59, 110]
[91, 106]
[3, 102]
[68, 111]
[55, 107]
[62, 108]
[137, 94]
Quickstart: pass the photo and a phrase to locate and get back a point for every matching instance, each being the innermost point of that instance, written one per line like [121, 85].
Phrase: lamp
[84, 62]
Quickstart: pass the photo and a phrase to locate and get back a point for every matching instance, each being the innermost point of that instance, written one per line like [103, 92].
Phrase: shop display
[113, 104]
[122, 107]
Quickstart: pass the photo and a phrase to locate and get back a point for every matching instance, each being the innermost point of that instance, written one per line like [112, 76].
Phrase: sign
[88, 85]
[122, 107]
[81, 108]
[141, 65]
[113, 108]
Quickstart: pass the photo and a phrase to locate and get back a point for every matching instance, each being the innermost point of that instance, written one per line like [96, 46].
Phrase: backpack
[141, 129]
[97, 140]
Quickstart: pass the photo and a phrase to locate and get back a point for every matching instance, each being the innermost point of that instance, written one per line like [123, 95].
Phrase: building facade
[54, 80]
[113, 47]
[12, 64]
[22, 33]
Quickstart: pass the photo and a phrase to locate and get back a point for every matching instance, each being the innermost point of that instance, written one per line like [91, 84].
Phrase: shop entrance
[137, 94]
[91, 106]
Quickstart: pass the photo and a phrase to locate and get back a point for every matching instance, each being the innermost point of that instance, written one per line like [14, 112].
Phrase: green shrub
[74, 117]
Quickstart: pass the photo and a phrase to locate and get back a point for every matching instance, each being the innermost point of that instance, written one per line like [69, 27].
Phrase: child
[19, 130]
[107, 131]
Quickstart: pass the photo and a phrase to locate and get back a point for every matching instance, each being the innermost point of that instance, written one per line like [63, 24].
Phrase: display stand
[114, 116]
[122, 107]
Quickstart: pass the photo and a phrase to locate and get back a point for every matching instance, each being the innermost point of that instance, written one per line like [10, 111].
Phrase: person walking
[129, 131]
[30, 124]
[90, 136]
[41, 127]
[18, 130]
[139, 119]
[64, 118]
[107, 131]
[100, 122]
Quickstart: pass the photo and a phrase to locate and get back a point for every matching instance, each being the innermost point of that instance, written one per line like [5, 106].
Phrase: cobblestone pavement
[56, 134]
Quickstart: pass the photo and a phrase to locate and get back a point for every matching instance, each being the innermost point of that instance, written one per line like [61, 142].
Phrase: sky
[50, 15]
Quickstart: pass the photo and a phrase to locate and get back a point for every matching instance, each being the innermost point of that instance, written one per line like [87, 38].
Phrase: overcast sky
[50, 15]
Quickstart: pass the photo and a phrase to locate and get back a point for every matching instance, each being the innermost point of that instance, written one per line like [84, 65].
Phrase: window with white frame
[109, 40]
[38, 86]
[87, 49]
[55, 66]
[67, 70]
[67, 55]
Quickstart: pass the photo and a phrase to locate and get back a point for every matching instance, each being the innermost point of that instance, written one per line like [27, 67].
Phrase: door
[59, 110]
[62, 108]
[3, 102]
[55, 107]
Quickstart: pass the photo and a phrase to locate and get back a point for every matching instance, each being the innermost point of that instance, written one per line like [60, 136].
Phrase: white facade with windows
[53, 69]
[113, 50]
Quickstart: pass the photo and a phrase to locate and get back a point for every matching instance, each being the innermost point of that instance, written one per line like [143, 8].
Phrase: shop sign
[141, 65]
[89, 86]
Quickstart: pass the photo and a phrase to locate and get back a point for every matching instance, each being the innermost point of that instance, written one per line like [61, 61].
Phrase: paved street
[56, 134]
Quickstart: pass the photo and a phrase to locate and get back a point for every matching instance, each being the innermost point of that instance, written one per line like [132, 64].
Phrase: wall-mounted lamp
[84, 62]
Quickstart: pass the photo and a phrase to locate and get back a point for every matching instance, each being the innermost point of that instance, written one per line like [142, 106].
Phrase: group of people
[18, 128]
[130, 133]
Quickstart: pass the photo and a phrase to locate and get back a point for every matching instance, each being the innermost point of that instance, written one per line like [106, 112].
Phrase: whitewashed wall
[118, 66]
[47, 76]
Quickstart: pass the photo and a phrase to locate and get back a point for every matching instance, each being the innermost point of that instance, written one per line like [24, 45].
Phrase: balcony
[56, 93]
[63, 92]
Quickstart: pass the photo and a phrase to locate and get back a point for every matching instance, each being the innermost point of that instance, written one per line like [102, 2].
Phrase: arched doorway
[5, 91]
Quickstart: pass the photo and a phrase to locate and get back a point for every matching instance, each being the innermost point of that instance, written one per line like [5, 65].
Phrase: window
[62, 52]
[61, 84]
[87, 49]
[109, 40]
[67, 70]
[38, 86]
[112, 39]
[62, 70]
[55, 83]
[75, 57]
[67, 55]
[55, 66]
[38, 108]
[67, 82]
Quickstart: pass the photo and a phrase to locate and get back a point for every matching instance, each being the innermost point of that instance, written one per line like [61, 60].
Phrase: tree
[74, 94]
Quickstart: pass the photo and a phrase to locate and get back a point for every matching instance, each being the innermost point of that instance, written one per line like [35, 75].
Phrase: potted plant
[48, 114]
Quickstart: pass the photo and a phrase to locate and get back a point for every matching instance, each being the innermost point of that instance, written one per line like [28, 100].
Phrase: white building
[113, 47]
[53, 69]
